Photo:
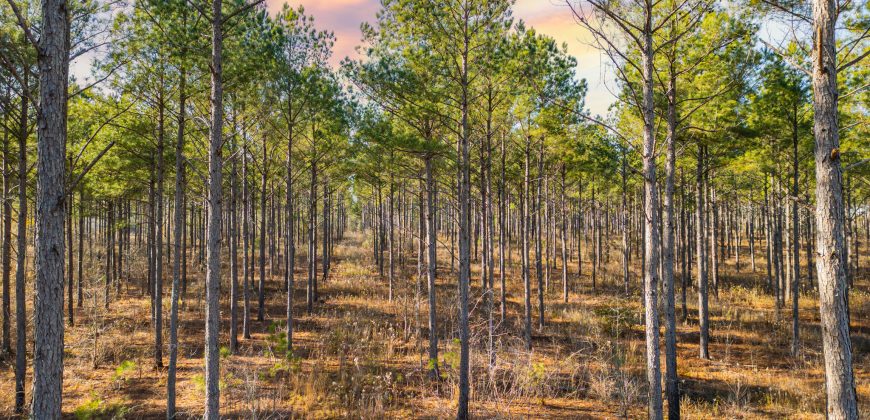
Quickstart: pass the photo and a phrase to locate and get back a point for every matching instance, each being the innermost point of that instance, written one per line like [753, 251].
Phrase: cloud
[342, 17]
[550, 17]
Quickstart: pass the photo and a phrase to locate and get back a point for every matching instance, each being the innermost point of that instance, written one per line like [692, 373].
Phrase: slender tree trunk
[234, 241]
[261, 291]
[247, 272]
[179, 238]
[701, 255]
[624, 225]
[672, 383]
[768, 237]
[431, 267]
[312, 233]
[80, 300]
[464, 228]
[53, 62]
[537, 230]
[215, 204]
[7, 237]
[714, 236]
[390, 238]
[290, 243]
[686, 256]
[752, 236]
[651, 228]
[524, 231]
[502, 193]
[21, 258]
[70, 259]
[158, 259]
[795, 241]
[562, 237]
[839, 380]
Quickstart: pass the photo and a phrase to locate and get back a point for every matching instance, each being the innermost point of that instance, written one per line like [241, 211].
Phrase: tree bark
[701, 255]
[158, 259]
[69, 251]
[524, 231]
[652, 248]
[234, 243]
[53, 59]
[464, 227]
[289, 239]
[537, 230]
[261, 289]
[795, 238]
[179, 237]
[215, 204]
[672, 382]
[831, 272]
[7, 238]
[312, 233]
[431, 267]
[21, 258]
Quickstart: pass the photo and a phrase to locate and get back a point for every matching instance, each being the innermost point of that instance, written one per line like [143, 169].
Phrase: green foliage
[95, 408]
[198, 383]
[225, 352]
[124, 370]
[451, 356]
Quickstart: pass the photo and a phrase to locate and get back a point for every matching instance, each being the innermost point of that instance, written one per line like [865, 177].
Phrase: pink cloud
[342, 17]
[551, 17]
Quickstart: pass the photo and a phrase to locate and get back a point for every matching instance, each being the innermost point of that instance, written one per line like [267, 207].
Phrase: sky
[551, 17]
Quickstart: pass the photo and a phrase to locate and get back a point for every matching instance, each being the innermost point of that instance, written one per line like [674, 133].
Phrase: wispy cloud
[342, 17]
[550, 17]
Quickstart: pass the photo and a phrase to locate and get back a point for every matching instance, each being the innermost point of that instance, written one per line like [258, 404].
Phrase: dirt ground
[360, 356]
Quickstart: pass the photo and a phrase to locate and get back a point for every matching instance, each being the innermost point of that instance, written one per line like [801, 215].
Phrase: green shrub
[96, 408]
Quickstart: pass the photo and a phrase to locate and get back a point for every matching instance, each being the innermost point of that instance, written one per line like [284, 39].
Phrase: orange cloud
[550, 17]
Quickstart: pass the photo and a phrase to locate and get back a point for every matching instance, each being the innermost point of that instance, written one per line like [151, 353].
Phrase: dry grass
[360, 356]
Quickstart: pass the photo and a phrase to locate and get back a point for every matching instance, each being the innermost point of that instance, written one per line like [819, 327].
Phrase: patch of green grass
[96, 408]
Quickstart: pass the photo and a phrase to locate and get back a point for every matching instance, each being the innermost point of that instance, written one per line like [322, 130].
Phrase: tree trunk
[179, 237]
[624, 225]
[464, 230]
[247, 244]
[839, 381]
[795, 240]
[312, 233]
[390, 239]
[289, 241]
[261, 290]
[7, 238]
[80, 300]
[502, 186]
[21, 259]
[714, 236]
[158, 259]
[233, 238]
[53, 61]
[537, 230]
[431, 267]
[215, 204]
[701, 255]
[524, 231]
[562, 237]
[672, 383]
[70, 259]
[652, 248]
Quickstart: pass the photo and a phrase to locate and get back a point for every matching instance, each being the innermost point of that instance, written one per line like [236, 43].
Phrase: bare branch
[787, 58]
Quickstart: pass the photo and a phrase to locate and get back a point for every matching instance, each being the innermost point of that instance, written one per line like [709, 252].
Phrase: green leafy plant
[96, 408]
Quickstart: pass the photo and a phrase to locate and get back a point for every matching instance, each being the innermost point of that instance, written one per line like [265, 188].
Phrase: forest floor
[359, 355]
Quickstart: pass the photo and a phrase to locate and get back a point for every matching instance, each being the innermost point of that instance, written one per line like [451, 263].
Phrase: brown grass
[360, 356]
